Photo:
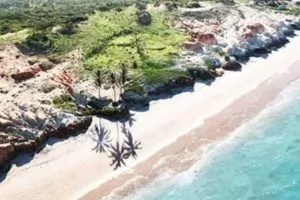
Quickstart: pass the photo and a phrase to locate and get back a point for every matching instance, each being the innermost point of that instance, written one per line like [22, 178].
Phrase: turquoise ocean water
[261, 161]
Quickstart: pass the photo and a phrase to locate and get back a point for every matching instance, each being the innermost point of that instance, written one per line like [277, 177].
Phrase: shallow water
[261, 161]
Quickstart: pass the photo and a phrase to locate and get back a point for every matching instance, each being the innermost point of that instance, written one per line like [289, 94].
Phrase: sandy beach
[72, 170]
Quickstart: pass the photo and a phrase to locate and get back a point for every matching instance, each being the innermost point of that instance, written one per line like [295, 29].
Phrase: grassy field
[111, 38]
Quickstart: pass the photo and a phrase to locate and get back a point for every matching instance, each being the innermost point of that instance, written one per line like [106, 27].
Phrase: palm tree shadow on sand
[102, 137]
[122, 149]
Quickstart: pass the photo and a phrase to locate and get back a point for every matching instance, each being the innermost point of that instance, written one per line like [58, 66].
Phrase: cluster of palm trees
[111, 80]
[125, 147]
[120, 151]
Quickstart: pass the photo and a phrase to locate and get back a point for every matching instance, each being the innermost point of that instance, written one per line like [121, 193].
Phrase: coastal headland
[138, 86]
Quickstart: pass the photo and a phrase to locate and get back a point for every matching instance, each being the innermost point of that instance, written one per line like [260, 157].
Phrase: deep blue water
[261, 161]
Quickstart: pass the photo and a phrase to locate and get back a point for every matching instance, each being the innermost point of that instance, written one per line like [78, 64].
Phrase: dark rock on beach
[114, 111]
[277, 43]
[180, 82]
[232, 65]
[97, 103]
[133, 99]
[201, 73]
[7, 152]
[258, 52]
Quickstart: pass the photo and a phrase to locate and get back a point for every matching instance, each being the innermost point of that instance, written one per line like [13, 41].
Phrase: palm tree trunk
[99, 92]
[118, 132]
[120, 92]
[115, 94]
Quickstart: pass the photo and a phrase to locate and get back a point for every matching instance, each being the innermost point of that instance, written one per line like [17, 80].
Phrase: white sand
[71, 168]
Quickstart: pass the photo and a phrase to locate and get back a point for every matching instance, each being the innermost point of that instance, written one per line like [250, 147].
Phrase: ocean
[259, 161]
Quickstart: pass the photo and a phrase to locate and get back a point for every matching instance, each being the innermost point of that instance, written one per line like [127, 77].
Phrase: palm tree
[113, 80]
[123, 77]
[99, 80]
[114, 83]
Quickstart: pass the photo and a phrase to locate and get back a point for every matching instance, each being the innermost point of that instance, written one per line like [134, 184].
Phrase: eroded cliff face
[238, 32]
[27, 115]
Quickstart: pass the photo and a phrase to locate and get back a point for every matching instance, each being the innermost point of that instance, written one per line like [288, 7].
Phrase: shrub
[38, 41]
[68, 29]
[64, 102]
[140, 5]
[79, 18]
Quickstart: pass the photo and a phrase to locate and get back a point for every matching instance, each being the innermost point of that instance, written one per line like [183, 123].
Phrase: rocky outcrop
[193, 4]
[206, 38]
[177, 83]
[202, 73]
[97, 103]
[25, 147]
[241, 33]
[211, 61]
[192, 46]
[25, 75]
[114, 111]
[70, 128]
[6, 153]
[65, 79]
[231, 64]
[132, 99]
[11, 146]
[46, 65]
[47, 87]
[27, 116]
[252, 30]
[295, 24]
[238, 53]
[30, 72]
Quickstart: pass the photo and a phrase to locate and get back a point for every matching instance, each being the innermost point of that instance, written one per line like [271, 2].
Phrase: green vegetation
[109, 36]
[109, 39]
[294, 11]
[14, 37]
[64, 102]
[113, 38]
[39, 15]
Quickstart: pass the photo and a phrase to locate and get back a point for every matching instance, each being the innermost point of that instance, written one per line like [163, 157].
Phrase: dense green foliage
[109, 36]
[113, 38]
[44, 14]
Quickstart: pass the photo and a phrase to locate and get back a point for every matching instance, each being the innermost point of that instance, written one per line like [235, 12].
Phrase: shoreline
[243, 109]
[203, 43]
[71, 169]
